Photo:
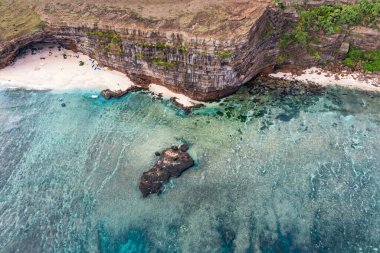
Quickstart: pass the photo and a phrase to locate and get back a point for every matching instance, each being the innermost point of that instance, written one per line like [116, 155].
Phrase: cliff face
[204, 69]
[206, 53]
[207, 64]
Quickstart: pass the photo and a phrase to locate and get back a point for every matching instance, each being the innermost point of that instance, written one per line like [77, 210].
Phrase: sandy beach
[49, 69]
[57, 69]
[326, 78]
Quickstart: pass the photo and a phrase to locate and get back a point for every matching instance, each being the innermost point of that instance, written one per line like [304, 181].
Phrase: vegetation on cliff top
[331, 19]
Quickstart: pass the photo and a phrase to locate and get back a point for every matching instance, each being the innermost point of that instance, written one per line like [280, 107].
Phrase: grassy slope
[17, 19]
[210, 18]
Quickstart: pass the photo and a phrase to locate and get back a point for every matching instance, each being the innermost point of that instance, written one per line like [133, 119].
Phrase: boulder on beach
[186, 109]
[108, 94]
[172, 163]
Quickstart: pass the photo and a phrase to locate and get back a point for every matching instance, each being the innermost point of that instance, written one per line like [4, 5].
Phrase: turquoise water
[277, 170]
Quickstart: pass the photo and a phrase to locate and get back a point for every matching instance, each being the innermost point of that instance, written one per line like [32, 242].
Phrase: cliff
[204, 49]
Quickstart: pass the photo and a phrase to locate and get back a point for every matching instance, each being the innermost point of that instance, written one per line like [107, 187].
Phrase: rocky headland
[203, 49]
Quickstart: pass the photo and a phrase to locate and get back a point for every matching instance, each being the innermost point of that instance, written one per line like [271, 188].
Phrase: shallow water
[277, 170]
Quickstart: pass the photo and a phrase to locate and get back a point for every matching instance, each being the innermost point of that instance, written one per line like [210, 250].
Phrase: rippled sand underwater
[277, 170]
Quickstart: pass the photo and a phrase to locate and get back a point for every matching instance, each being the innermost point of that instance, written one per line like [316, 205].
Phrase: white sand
[167, 94]
[49, 70]
[325, 78]
[56, 73]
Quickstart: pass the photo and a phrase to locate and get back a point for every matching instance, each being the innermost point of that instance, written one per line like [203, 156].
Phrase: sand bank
[325, 78]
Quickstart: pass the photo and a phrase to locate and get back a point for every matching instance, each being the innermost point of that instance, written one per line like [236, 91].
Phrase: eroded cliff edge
[205, 50]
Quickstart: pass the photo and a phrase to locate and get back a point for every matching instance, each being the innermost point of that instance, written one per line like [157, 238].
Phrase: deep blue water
[277, 170]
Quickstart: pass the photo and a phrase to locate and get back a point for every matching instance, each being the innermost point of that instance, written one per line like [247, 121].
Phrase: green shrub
[354, 54]
[280, 4]
[349, 62]
[182, 48]
[164, 64]
[81, 63]
[317, 56]
[110, 36]
[158, 57]
[138, 56]
[143, 44]
[224, 54]
[281, 59]
[372, 66]
[161, 45]
[370, 61]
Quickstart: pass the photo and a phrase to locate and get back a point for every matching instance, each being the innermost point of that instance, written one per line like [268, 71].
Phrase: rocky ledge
[172, 163]
[108, 94]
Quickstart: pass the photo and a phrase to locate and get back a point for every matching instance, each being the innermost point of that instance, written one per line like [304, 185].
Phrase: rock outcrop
[108, 94]
[172, 163]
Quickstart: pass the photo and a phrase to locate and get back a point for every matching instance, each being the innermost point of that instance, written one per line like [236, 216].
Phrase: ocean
[280, 168]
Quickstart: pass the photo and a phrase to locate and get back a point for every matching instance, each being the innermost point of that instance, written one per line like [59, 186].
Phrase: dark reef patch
[134, 240]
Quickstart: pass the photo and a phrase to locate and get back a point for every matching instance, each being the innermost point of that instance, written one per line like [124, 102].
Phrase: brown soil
[221, 19]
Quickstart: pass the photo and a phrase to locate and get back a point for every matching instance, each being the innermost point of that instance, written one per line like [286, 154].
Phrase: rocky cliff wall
[204, 69]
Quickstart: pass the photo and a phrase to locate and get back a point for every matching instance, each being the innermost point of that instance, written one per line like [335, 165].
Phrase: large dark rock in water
[173, 161]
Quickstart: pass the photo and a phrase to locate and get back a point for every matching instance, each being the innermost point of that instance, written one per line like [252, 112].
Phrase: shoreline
[325, 78]
[51, 67]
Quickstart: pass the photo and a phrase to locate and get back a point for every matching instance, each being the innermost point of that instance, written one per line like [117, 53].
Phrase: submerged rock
[172, 163]
[184, 147]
